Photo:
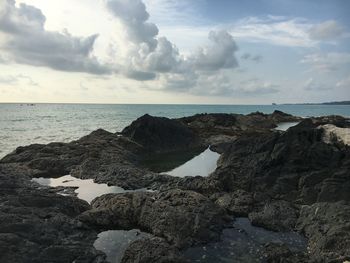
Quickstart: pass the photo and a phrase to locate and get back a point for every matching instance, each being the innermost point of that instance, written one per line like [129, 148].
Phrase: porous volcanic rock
[327, 226]
[238, 203]
[276, 215]
[160, 134]
[152, 250]
[280, 253]
[183, 218]
[40, 226]
[292, 165]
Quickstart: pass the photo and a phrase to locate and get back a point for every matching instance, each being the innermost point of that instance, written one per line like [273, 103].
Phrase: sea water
[22, 124]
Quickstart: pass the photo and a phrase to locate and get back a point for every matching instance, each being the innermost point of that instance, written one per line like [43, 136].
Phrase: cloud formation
[28, 42]
[151, 56]
[143, 55]
[328, 30]
[284, 31]
[219, 55]
[326, 62]
[250, 57]
[312, 85]
[15, 79]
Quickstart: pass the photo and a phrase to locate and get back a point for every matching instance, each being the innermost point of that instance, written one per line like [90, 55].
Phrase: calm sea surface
[42, 123]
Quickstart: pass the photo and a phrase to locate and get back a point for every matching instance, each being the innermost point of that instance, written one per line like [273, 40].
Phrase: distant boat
[274, 103]
[30, 104]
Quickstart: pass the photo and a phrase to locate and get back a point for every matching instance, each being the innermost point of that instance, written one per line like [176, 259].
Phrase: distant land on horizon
[345, 102]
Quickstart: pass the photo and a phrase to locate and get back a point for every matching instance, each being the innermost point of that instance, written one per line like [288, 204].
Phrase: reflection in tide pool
[244, 243]
[114, 242]
[86, 189]
[283, 126]
[202, 164]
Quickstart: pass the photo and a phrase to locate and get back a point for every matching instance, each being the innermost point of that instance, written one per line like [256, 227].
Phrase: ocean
[24, 124]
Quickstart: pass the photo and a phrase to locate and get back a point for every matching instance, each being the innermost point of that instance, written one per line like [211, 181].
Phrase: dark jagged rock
[152, 250]
[183, 218]
[159, 134]
[238, 203]
[40, 226]
[327, 225]
[264, 173]
[216, 127]
[294, 165]
[280, 253]
[275, 215]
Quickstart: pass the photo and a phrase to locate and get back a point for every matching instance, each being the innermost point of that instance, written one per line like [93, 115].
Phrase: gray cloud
[134, 16]
[140, 75]
[250, 57]
[328, 30]
[312, 85]
[15, 79]
[220, 55]
[29, 43]
[327, 62]
[157, 55]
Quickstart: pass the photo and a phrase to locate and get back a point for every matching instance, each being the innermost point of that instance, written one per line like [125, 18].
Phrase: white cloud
[276, 31]
[283, 31]
[344, 83]
[27, 42]
[328, 30]
[149, 55]
[220, 55]
[326, 62]
[312, 85]
[11, 80]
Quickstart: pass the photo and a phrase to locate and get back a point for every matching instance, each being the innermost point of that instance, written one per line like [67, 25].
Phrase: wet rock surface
[283, 180]
[41, 226]
[276, 215]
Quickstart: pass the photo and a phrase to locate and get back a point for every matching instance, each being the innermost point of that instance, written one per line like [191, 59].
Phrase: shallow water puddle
[202, 165]
[86, 188]
[114, 242]
[283, 126]
[243, 243]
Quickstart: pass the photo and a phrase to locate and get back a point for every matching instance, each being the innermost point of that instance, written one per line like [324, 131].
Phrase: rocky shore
[295, 180]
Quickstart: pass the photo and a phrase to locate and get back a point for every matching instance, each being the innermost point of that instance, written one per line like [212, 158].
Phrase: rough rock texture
[152, 250]
[159, 134]
[280, 253]
[334, 134]
[238, 203]
[41, 226]
[327, 225]
[183, 218]
[293, 165]
[276, 215]
[101, 155]
[261, 172]
[221, 127]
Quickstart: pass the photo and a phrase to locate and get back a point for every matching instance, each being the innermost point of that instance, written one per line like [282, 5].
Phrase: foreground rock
[152, 250]
[296, 165]
[327, 225]
[276, 215]
[270, 176]
[40, 226]
[183, 218]
[277, 253]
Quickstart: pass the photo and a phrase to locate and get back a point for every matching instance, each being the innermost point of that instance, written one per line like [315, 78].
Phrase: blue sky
[175, 51]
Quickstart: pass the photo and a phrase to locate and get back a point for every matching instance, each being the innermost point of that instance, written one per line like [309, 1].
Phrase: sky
[174, 51]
